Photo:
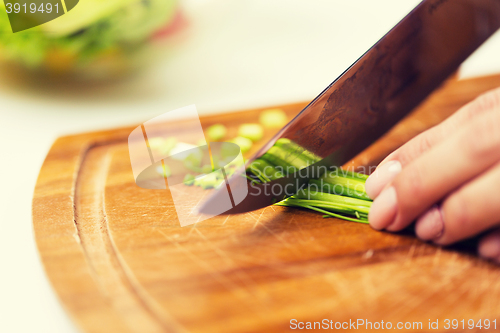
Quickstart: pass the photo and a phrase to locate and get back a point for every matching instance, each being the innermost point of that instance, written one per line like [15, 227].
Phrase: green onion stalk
[339, 194]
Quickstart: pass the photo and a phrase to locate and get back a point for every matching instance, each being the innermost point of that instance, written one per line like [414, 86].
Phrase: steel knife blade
[372, 95]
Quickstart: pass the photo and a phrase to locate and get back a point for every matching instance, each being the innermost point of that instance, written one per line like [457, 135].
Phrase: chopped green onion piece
[264, 169]
[164, 170]
[245, 144]
[206, 168]
[209, 181]
[286, 161]
[279, 163]
[273, 118]
[161, 145]
[189, 179]
[193, 162]
[198, 181]
[294, 149]
[254, 132]
[216, 132]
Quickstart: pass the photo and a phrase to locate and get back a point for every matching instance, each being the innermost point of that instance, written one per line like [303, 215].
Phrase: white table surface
[234, 54]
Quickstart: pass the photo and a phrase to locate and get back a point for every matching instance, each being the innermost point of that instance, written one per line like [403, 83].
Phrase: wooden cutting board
[120, 262]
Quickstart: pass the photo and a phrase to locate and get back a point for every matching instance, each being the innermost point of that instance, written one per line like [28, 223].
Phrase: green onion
[346, 208]
[216, 132]
[208, 181]
[162, 145]
[245, 144]
[339, 194]
[265, 171]
[350, 187]
[254, 132]
[291, 158]
[206, 168]
[189, 179]
[273, 118]
[354, 175]
[278, 163]
[294, 149]
[352, 203]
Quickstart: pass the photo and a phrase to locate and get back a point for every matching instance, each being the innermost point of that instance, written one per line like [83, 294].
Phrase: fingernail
[490, 247]
[383, 209]
[430, 225]
[381, 177]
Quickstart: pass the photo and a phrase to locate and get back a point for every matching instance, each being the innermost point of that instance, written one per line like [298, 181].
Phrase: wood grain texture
[120, 262]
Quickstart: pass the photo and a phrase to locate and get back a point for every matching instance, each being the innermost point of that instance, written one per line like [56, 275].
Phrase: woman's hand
[447, 179]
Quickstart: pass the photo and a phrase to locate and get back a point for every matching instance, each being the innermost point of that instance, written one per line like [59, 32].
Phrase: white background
[233, 54]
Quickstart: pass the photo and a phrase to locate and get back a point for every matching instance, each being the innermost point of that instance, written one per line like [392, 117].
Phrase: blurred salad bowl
[96, 39]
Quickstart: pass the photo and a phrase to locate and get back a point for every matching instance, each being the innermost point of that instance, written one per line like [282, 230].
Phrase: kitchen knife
[372, 95]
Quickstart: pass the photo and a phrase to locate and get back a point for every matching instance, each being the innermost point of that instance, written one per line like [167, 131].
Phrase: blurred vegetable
[244, 143]
[254, 132]
[300, 152]
[189, 180]
[161, 145]
[273, 118]
[193, 162]
[264, 170]
[339, 184]
[216, 132]
[99, 33]
[208, 181]
[206, 169]
[164, 170]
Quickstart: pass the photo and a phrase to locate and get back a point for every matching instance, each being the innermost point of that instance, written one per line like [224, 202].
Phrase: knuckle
[457, 218]
[482, 104]
[420, 144]
[482, 138]
[426, 141]
[487, 101]
[413, 183]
